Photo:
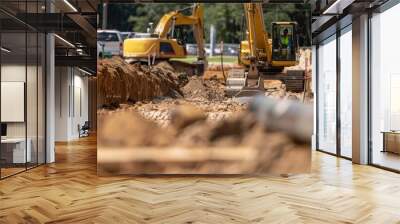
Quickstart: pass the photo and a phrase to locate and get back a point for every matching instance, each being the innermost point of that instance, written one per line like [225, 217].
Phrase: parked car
[110, 42]
[99, 50]
[191, 49]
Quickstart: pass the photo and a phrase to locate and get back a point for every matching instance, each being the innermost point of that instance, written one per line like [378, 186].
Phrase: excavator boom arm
[257, 35]
[172, 19]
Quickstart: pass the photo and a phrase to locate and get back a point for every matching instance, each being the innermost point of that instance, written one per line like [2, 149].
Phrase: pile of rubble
[121, 82]
[198, 88]
[155, 91]
[160, 109]
[188, 127]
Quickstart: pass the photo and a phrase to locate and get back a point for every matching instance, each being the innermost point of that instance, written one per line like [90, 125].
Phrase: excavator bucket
[238, 84]
[295, 80]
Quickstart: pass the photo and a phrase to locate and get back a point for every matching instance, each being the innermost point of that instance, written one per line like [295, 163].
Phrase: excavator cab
[169, 38]
[284, 43]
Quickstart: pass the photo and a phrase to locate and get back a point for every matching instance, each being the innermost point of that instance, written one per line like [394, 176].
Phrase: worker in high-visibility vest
[285, 44]
[285, 39]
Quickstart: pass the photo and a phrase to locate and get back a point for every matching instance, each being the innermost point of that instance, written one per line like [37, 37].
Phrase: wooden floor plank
[69, 191]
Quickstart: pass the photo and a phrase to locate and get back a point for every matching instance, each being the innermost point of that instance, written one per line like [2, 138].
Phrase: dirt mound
[226, 67]
[214, 71]
[126, 128]
[198, 88]
[128, 144]
[121, 82]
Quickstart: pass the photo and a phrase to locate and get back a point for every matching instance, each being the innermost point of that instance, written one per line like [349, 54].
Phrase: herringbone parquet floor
[69, 191]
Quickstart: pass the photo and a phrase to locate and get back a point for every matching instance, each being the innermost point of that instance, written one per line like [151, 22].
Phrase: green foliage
[146, 13]
[227, 19]
[118, 15]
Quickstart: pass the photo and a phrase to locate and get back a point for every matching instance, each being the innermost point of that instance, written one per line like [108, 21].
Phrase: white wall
[81, 102]
[34, 125]
[71, 102]
[12, 73]
[62, 82]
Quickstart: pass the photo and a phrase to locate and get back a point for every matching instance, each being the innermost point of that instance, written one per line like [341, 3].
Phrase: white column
[50, 93]
[62, 103]
[50, 110]
[360, 90]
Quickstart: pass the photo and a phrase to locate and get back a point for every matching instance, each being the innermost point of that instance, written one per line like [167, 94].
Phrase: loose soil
[121, 82]
[175, 107]
[164, 106]
[188, 127]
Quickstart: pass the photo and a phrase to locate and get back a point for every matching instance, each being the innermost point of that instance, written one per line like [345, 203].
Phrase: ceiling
[74, 21]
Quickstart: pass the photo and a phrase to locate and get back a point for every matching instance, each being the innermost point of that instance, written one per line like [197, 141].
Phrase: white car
[99, 50]
[110, 42]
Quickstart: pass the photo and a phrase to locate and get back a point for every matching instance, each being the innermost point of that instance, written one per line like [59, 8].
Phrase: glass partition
[14, 143]
[22, 88]
[385, 89]
[327, 95]
[346, 92]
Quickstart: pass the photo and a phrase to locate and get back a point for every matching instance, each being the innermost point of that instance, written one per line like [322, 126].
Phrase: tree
[146, 13]
[227, 19]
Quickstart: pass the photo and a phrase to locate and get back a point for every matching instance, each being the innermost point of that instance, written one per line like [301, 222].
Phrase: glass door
[327, 96]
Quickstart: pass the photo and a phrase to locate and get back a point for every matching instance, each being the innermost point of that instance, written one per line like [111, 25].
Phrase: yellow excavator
[163, 43]
[264, 57]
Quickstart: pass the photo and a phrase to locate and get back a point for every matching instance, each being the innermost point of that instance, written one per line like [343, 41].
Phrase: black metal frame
[369, 101]
[338, 97]
[316, 97]
[44, 77]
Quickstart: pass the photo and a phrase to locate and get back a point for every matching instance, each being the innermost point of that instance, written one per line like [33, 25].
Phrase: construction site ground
[163, 105]
[160, 88]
